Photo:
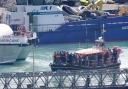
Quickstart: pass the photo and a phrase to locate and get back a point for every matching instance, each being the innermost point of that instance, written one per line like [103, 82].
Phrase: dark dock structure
[95, 79]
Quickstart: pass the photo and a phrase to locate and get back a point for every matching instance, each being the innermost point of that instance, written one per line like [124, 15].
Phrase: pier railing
[65, 79]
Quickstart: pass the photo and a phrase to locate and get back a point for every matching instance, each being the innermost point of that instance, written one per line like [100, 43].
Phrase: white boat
[24, 52]
[13, 45]
[27, 47]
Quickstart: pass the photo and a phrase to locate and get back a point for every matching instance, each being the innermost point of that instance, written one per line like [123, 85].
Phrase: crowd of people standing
[92, 60]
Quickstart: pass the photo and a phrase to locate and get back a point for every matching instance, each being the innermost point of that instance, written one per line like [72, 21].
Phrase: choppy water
[43, 56]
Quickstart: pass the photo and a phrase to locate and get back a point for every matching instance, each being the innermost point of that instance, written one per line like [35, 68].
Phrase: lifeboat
[98, 57]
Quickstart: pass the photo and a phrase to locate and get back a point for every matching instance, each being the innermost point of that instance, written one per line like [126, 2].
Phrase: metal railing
[65, 79]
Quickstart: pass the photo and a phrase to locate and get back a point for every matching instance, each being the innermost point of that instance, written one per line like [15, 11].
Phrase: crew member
[100, 42]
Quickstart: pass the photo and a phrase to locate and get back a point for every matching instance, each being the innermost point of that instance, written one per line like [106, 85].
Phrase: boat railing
[16, 37]
[45, 27]
[23, 34]
[86, 60]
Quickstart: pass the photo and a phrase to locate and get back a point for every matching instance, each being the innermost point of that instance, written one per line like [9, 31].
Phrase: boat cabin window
[46, 2]
[31, 2]
[21, 2]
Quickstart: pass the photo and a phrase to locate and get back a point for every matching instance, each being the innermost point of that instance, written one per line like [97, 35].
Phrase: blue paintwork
[89, 30]
[116, 29]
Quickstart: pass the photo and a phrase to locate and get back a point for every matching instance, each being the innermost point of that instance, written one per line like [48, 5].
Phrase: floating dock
[97, 79]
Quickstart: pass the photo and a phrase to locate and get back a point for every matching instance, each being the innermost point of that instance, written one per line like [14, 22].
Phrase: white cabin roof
[5, 30]
[90, 51]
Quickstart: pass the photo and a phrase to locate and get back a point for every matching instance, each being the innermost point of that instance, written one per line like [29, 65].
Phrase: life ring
[21, 29]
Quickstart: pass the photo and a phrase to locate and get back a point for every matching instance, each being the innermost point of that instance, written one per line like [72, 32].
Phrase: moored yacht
[31, 42]
[12, 45]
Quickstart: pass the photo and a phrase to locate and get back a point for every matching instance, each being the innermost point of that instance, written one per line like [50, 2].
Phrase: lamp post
[33, 67]
[33, 57]
[32, 43]
[34, 40]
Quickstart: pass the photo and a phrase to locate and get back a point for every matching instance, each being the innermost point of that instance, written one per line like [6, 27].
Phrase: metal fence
[65, 79]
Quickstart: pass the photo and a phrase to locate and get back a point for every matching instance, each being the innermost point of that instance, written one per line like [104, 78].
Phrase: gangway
[96, 79]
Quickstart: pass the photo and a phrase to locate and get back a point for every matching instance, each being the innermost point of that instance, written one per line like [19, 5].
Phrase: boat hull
[25, 50]
[9, 53]
[77, 67]
[87, 31]
[66, 37]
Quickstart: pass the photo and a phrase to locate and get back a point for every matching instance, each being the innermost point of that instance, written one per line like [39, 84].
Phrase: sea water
[41, 56]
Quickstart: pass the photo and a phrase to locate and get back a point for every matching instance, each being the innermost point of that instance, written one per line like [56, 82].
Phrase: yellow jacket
[84, 1]
[99, 3]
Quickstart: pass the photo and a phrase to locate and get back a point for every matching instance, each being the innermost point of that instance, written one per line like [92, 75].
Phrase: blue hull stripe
[22, 45]
[44, 13]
